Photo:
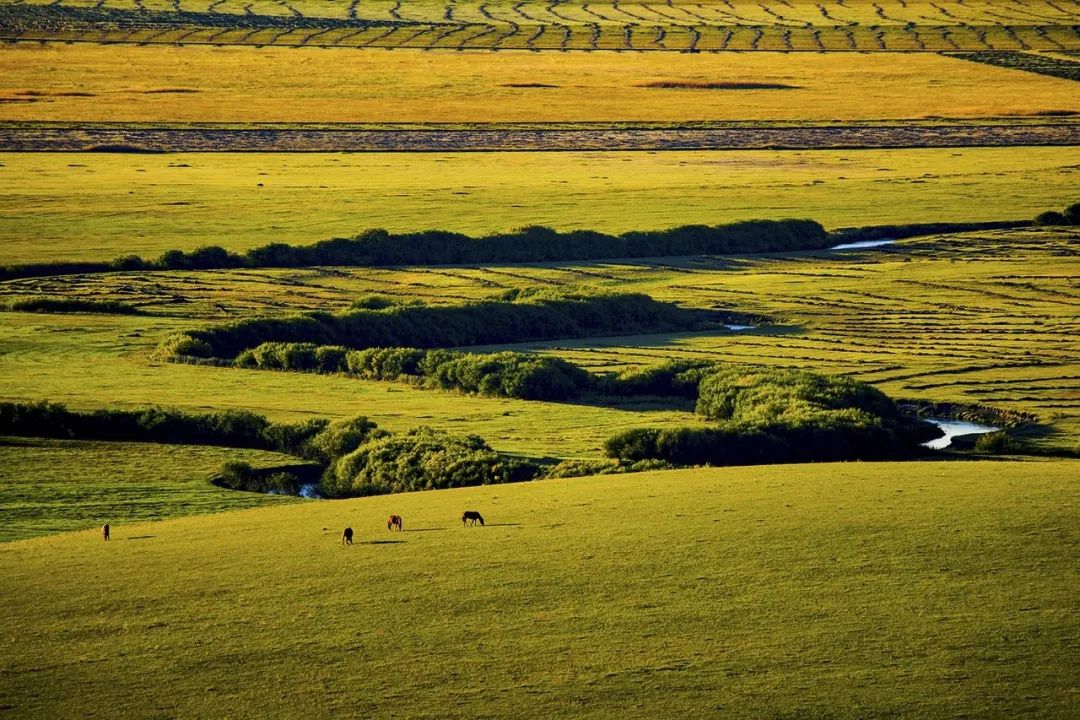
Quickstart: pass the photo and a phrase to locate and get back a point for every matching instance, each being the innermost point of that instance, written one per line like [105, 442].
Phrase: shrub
[422, 459]
[1072, 214]
[1050, 217]
[995, 443]
[340, 438]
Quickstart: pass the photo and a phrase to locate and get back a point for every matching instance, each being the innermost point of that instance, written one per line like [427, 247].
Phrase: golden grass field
[97, 206]
[856, 590]
[108, 83]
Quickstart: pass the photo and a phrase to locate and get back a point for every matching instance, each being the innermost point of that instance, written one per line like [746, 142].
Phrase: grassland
[985, 317]
[105, 83]
[932, 590]
[97, 206]
[560, 25]
[52, 486]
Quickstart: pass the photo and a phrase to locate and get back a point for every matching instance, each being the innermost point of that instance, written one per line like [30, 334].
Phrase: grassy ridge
[915, 590]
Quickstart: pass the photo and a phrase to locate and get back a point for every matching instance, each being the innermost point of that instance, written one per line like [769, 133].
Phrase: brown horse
[394, 521]
[346, 537]
[105, 531]
[473, 516]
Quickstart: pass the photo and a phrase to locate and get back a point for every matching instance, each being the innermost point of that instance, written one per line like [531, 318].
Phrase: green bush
[421, 459]
[1050, 218]
[995, 443]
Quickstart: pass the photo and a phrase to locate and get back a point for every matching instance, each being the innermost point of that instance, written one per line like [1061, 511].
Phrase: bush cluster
[517, 317]
[1069, 216]
[421, 459]
[505, 374]
[766, 415]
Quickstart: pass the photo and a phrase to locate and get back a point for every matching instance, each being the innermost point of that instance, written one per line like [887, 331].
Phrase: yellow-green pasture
[169, 84]
[833, 25]
[95, 206]
[861, 590]
[52, 486]
[978, 318]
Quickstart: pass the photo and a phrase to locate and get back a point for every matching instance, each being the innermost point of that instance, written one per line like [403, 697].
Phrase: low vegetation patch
[691, 85]
[1069, 216]
[72, 305]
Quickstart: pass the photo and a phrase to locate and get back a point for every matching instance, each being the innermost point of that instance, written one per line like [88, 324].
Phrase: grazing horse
[473, 516]
[346, 537]
[394, 521]
[105, 531]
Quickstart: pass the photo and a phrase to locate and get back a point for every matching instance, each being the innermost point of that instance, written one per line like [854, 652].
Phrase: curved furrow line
[447, 32]
[585, 8]
[628, 37]
[552, 9]
[695, 38]
[658, 39]
[758, 34]
[395, 11]
[568, 34]
[656, 11]
[1011, 33]
[213, 7]
[594, 37]
[307, 40]
[879, 36]
[351, 11]
[781, 19]
[341, 40]
[530, 44]
[1045, 36]
[379, 38]
[517, 9]
[825, 14]
[619, 8]
[785, 37]
[488, 30]
[486, 14]
[420, 32]
[248, 10]
[980, 35]
[919, 43]
[514, 30]
[1022, 9]
[448, 13]
[816, 36]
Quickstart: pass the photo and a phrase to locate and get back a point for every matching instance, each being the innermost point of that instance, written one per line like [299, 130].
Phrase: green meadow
[97, 206]
[52, 486]
[859, 590]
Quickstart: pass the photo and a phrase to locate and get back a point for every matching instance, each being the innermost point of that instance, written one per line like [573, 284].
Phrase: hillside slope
[854, 590]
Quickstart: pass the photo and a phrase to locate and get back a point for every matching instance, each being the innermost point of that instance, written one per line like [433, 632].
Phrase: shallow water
[862, 244]
[740, 327]
[953, 428]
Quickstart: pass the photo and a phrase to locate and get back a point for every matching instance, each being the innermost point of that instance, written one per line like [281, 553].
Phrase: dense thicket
[421, 459]
[518, 316]
[1069, 216]
[507, 374]
[438, 247]
[766, 415]
[317, 439]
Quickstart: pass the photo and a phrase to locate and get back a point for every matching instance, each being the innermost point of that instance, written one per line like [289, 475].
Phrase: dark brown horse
[346, 537]
[394, 521]
[105, 531]
[472, 516]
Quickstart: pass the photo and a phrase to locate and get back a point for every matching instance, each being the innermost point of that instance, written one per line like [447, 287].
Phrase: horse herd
[394, 522]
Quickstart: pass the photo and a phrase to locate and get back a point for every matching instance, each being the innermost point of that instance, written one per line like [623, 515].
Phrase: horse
[394, 521]
[473, 516]
[105, 531]
[346, 537]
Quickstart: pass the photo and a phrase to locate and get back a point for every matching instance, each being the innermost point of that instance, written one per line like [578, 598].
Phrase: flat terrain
[97, 83]
[932, 590]
[979, 318]
[97, 206]
[51, 486]
[981, 25]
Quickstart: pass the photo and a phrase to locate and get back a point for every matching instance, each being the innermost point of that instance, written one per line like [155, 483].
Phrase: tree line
[373, 248]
